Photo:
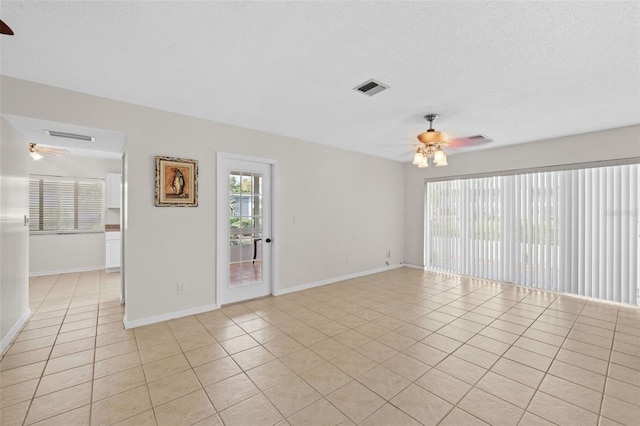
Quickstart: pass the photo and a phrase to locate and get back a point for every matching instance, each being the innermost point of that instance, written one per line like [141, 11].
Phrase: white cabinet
[114, 190]
[112, 251]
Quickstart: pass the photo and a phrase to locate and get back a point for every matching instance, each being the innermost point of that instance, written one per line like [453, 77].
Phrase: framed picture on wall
[176, 182]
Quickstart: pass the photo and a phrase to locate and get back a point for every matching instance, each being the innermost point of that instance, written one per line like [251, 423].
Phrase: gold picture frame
[176, 182]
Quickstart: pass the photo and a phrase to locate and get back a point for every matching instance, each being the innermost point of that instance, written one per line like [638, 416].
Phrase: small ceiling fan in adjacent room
[37, 151]
[432, 141]
[5, 29]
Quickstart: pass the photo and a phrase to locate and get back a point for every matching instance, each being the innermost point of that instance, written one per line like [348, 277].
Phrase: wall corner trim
[335, 280]
[6, 341]
[411, 265]
[168, 316]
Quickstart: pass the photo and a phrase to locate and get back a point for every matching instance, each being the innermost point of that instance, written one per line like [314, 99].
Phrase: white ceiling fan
[432, 141]
[37, 151]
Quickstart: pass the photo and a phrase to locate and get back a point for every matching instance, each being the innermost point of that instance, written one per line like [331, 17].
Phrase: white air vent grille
[371, 87]
[70, 136]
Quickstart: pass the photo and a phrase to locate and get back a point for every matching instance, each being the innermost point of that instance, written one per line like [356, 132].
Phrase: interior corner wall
[60, 253]
[348, 205]
[612, 144]
[14, 240]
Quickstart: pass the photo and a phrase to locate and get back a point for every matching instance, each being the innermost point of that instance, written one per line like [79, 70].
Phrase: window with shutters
[65, 205]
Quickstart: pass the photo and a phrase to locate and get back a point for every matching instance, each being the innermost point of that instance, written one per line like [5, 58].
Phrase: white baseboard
[66, 271]
[6, 341]
[411, 265]
[168, 316]
[334, 280]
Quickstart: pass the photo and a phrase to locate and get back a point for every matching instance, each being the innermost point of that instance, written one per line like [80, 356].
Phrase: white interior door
[244, 229]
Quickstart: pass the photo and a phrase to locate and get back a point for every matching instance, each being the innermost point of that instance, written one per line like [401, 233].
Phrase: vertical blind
[65, 205]
[572, 231]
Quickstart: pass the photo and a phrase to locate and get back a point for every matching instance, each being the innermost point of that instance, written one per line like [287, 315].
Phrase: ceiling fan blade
[468, 141]
[57, 152]
[4, 28]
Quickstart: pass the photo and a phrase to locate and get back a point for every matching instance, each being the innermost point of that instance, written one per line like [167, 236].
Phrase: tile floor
[403, 347]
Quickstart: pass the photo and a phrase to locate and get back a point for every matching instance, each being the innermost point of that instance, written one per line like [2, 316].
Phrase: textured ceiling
[514, 71]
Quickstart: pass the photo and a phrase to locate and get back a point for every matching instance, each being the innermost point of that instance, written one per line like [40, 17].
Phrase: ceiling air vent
[371, 87]
[70, 136]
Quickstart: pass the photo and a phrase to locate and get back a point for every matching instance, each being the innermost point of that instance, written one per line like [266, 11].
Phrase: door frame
[222, 206]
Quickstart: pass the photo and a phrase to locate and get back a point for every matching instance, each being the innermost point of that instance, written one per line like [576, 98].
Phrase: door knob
[268, 240]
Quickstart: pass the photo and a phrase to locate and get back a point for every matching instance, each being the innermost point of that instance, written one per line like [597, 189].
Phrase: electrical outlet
[182, 288]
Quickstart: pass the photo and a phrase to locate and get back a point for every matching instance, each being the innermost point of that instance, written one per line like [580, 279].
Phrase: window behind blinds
[65, 205]
[574, 231]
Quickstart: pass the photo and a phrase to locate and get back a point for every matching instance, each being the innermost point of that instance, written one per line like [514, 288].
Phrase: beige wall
[58, 253]
[610, 144]
[349, 205]
[14, 189]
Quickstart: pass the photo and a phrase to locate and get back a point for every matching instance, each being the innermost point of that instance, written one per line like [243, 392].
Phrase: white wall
[623, 142]
[59, 253]
[349, 205]
[14, 241]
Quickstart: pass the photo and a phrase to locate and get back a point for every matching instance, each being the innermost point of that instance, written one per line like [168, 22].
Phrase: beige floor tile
[531, 359]
[238, 344]
[79, 416]
[256, 410]
[355, 400]
[37, 333]
[443, 385]
[321, 409]
[461, 369]
[620, 411]
[30, 345]
[117, 336]
[529, 419]
[488, 344]
[507, 389]
[325, 378]
[165, 367]
[442, 343]
[231, 391]
[59, 402]
[490, 409]
[458, 417]
[65, 379]
[476, 356]
[373, 330]
[352, 338]
[308, 336]
[14, 414]
[115, 349]
[78, 324]
[302, 360]
[396, 341]
[21, 374]
[584, 361]
[389, 415]
[69, 361]
[406, 366]
[384, 382]
[252, 357]
[587, 349]
[560, 412]
[377, 351]
[173, 387]
[578, 375]
[186, 410]
[24, 358]
[422, 405]
[158, 352]
[76, 335]
[113, 384]
[228, 332]
[624, 374]
[292, 395]
[267, 335]
[196, 341]
[116, 364]
[270, 374]
[624, 391]
[215, 371]
[353, 363]
[120, 406]
[571, 392]
[499, 335]
[146, 418]
[283, 346]
[23, 391]
[329, 348]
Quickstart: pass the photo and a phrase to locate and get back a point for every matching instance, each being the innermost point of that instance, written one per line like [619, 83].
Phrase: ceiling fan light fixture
[439, 156]
[417, 158]
[35, 155]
